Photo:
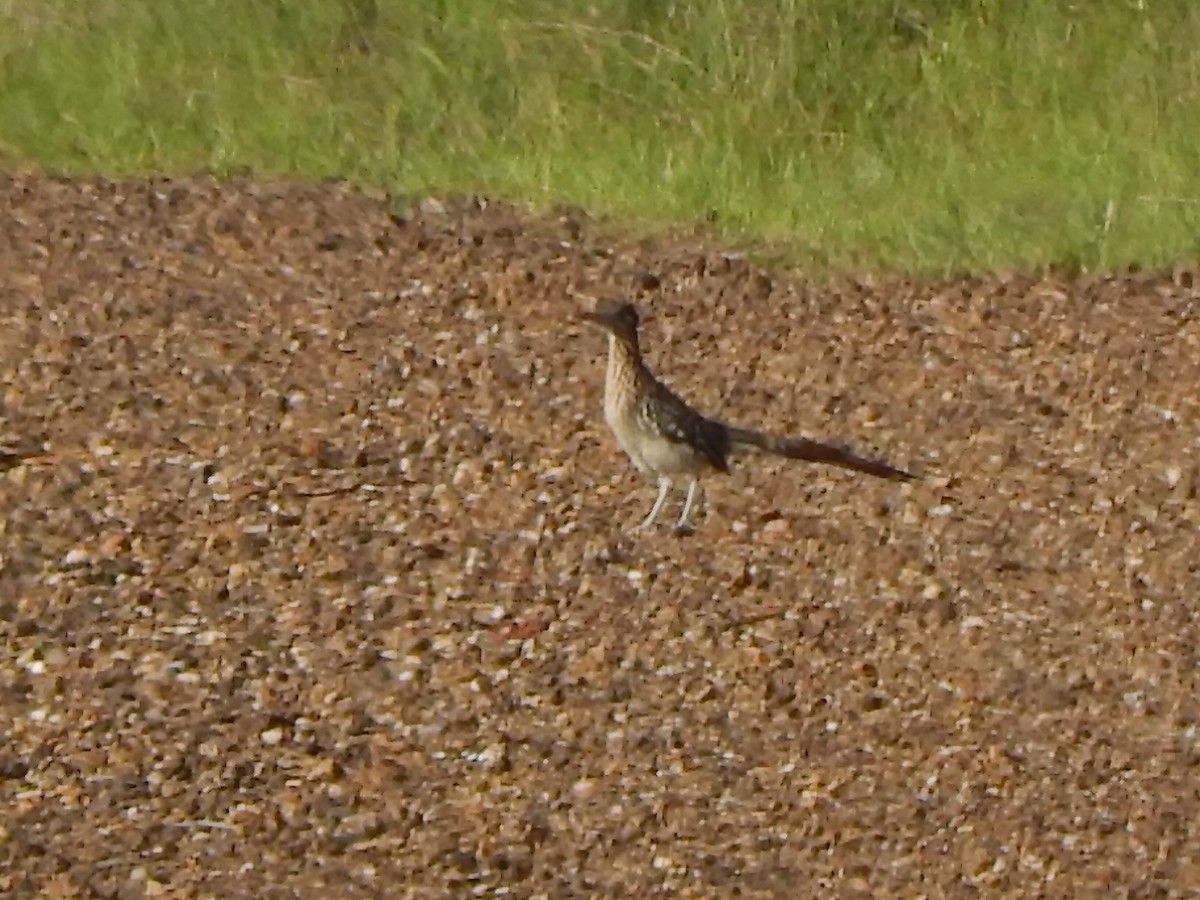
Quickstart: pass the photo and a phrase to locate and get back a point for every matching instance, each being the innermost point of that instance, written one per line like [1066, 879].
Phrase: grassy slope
[958, 135]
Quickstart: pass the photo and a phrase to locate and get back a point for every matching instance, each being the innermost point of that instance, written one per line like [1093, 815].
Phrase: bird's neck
[623, 352]
[625, 367]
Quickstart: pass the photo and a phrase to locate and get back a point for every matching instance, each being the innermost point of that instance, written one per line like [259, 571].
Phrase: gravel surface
[316, 577]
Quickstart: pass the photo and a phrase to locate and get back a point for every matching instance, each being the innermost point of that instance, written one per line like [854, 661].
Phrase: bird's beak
[587, 306]
[593, 318]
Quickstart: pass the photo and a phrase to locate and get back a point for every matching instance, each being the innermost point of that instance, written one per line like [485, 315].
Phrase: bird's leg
[664, 486]
[683, 523]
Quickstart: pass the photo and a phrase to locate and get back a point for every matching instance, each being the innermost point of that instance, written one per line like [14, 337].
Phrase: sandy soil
[316, 576]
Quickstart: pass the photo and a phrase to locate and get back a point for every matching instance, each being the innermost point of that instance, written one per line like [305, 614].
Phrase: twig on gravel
[10, 459]
[348, 489]
[202, 823]
[745, 621]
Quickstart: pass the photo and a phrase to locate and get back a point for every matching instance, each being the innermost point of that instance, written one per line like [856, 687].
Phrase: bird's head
[617, 317]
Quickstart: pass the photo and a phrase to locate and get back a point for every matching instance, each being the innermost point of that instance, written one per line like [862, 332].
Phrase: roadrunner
[668, 440]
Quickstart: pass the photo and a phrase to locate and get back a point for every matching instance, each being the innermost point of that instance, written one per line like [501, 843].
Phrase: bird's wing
[679, 422]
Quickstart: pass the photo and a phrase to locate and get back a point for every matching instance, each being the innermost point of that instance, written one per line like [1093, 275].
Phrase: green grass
[933, 136]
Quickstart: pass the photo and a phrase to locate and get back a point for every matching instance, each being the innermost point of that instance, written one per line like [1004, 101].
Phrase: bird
[668, 440]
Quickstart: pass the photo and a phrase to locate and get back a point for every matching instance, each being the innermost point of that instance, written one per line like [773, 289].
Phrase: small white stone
[271, 737]
[492, 756]
[77, 556]
[583, 788]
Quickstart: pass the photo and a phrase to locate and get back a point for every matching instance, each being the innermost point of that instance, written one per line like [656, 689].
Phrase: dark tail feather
[815, 451]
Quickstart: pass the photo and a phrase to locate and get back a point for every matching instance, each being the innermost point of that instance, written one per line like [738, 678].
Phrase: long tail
[814, 451]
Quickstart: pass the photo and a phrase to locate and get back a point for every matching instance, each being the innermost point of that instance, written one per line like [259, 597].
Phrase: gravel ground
[316, 576]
